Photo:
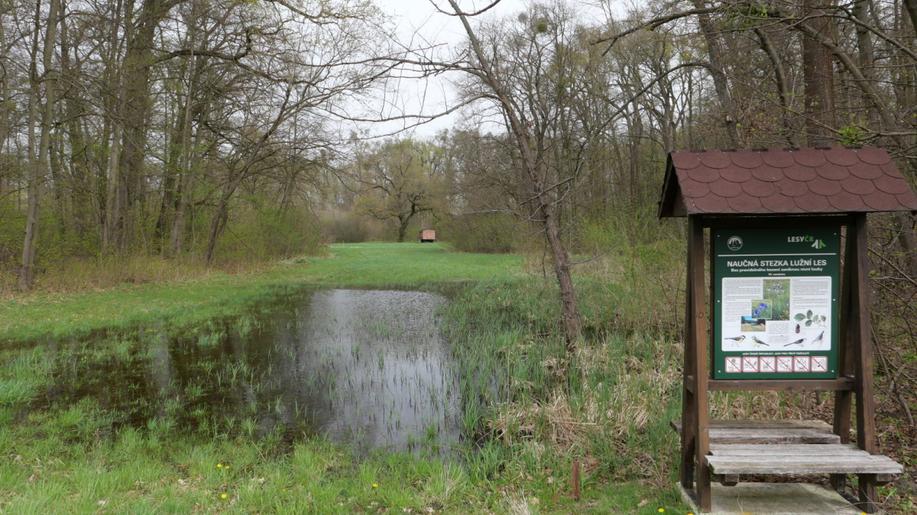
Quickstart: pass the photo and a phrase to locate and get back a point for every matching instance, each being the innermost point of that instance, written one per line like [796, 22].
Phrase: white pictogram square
[749, 364]
[819, 363]
[800, 363]
[733, 365]
[768, 364]
[784, 363]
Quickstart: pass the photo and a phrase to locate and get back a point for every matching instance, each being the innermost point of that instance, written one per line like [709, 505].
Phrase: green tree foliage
[400, 182]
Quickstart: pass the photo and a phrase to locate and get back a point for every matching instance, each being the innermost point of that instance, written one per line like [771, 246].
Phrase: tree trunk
[912, 12]
[41, 164]
[185, 177]
[402, 228]
[5, 109]
[569, 308]
[135, 112]
[171, 175]
[818, 76]
[530, 164]
[34, 180]
[218, 224]
[635, 137]
[80, 182]
[865, 59]
[782, 87]
[720, 83]
[110, 135]
[114, 180]
[183, 191]
[113, 200]
[179, 150]
[55, 160]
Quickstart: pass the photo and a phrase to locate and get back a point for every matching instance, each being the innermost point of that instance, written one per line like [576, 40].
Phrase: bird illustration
[797, 342]
[819, 338]
[738, 338]
[759, 341]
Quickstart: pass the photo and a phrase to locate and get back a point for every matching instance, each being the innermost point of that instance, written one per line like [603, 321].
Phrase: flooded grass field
[367, 368]
[439, 392]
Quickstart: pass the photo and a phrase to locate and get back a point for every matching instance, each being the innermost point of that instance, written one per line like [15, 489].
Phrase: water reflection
[369, 368]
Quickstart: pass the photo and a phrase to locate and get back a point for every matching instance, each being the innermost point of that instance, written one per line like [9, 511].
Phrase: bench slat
[730, 466]
[786, 450]
[769, 432]
[785, 466]
[764, 424]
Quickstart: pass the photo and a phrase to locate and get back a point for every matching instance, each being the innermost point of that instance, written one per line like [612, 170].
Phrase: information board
[776, 302]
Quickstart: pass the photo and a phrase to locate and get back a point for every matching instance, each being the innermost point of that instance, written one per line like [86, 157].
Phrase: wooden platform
[787, 448]
[797, 459]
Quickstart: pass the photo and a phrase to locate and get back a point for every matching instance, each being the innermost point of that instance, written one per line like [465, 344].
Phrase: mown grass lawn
[610, 413]
[374, 265]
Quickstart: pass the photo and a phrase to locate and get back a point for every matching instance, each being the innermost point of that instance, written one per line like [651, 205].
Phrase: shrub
[259, 231]
[491, 232]
[344, 227]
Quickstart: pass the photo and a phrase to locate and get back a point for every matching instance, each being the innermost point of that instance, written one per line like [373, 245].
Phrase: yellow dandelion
[219, 465]
[661, 510]
[224, 496]
[375, 485]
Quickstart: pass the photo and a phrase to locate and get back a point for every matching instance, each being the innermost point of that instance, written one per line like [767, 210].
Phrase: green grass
[528, 420]
[529, 425]
[145, 472]
[188, 303]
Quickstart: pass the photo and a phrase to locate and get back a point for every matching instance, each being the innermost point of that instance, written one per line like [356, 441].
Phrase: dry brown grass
[601, 409]
[94, 274]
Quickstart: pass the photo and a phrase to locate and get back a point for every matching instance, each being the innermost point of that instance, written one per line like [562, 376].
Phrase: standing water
[368, 368]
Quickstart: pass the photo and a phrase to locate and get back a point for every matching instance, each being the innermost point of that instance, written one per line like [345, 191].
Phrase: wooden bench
[797, 460]
[768, 432]
[787, 448]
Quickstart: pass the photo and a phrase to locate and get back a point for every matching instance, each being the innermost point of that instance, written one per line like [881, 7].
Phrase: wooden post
[700, 365]
[842, 398]
[688, 404]
[866, 420]
[575, 480]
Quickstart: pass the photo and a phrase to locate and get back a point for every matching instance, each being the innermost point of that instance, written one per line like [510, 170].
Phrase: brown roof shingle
[800, 181]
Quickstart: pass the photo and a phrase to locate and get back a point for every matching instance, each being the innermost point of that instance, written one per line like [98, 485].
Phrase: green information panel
[776, 302]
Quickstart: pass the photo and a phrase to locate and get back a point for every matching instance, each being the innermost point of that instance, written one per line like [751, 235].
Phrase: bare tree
[532, 148]
[818, 73]
[717, 71]
[40, 163]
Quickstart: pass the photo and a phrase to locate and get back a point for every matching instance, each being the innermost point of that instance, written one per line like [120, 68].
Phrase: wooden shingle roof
[796, 181]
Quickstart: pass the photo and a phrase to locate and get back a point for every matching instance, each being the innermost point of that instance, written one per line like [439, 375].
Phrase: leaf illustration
[799, 317]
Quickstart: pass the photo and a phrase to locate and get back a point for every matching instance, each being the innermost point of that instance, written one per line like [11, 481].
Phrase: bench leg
[702, 486]
[842, 402]
[728, 479]
[867, 490]
[839, 483]
[688, 440]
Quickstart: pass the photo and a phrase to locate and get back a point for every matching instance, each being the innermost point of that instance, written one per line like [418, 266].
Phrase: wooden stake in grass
[575, 480]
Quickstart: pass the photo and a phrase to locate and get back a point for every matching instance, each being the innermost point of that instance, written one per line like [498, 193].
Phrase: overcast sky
[418, 21]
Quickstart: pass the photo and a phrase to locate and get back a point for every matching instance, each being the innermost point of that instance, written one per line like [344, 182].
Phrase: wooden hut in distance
[427, 236]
